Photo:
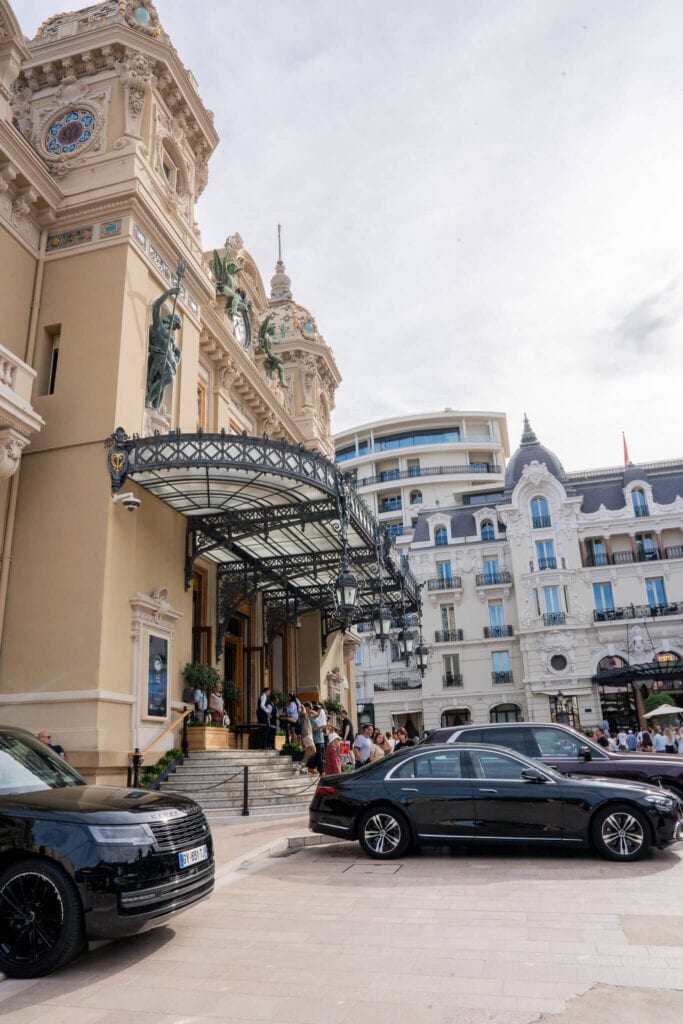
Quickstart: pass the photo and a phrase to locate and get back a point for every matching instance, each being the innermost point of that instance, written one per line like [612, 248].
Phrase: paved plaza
[455, 937]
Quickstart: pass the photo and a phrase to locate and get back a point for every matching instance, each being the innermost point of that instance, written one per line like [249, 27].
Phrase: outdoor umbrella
[665, 709]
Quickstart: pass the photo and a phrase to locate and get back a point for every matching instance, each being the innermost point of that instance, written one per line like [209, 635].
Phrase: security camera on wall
[128, 500]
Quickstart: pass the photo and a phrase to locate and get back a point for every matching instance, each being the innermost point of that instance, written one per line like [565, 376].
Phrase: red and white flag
[626, 455]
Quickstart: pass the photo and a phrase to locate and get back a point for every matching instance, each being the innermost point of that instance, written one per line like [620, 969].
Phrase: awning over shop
[275, 518]
[647, 670]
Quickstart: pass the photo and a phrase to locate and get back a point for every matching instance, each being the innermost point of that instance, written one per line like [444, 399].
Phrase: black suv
[570, 752]
[81, 862]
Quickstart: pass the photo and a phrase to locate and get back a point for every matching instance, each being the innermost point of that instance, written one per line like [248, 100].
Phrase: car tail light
[324, 790]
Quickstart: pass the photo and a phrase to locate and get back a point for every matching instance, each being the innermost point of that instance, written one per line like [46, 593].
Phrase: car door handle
[409, 789]
[488, 790]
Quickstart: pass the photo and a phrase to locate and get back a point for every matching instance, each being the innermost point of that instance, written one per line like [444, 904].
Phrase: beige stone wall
[16, 289]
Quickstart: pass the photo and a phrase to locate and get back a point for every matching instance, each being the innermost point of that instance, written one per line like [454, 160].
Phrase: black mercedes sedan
[447, 793]
[81, 862]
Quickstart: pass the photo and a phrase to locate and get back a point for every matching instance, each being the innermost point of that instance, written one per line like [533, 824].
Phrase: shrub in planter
[295, 751]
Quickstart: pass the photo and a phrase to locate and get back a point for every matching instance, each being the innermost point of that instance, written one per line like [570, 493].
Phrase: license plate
[194, 856]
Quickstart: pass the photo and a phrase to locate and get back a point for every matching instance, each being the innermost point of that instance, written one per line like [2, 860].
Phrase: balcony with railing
[425, 471]
[397, 684]
[497, 632]
[629, 557]
[641, 511]
[451, 679]
[637, 611]
[444, 583]
[501, 677]
[448, 636]
[493, 579]
[390, 505]
[554, 619]
[540, 522]
[547, 563]
[675, 551]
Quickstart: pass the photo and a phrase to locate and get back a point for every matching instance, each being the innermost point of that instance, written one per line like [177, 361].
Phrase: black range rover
[81, 862]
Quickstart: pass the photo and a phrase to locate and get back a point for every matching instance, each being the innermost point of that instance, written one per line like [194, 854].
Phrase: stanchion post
[183, 743]
[137, 761]
[245, 792]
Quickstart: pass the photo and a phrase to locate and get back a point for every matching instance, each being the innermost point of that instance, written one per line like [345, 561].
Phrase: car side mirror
[585, 753]
[533, 775]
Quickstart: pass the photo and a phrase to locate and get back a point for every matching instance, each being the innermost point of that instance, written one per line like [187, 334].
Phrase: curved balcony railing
[448, 636]
[424, 471]
[638, 611]
[397, 684]
[446, 583]
[497, 632]
[492, 579]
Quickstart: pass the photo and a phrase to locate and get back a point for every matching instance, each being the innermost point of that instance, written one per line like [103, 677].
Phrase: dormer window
[540, 513]
[639, 502]
[487, 530]
[441, 536]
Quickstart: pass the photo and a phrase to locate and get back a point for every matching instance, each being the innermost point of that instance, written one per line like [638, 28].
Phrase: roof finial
[279, 243]
[528, 435]
[280, 284]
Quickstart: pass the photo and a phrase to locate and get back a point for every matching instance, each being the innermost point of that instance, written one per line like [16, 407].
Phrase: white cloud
[481, 202]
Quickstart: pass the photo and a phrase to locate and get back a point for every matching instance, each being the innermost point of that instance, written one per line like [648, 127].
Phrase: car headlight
[665, 802]
[122, 835]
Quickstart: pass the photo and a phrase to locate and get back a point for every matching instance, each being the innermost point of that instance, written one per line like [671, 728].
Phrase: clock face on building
[70, 132]
[241, 329]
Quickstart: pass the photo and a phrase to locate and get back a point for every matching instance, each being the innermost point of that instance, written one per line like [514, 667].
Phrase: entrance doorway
[235, 669]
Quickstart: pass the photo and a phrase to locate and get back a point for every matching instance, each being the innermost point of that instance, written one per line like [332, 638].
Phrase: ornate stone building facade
[230, 553]
[566, 595]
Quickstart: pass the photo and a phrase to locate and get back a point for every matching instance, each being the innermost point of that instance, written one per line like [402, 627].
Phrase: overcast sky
[481, 201]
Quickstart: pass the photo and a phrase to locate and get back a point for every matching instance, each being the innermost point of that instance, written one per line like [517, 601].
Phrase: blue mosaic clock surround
[71, 132]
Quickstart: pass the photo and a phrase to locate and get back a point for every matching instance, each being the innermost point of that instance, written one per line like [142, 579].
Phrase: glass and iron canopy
[276, 519]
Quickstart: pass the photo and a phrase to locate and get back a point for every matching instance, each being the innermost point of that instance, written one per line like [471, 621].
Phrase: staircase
[215, 780]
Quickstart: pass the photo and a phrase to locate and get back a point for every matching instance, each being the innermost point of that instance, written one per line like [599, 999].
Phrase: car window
[26, 765]
[513, 738]
[492, 765]
[441, 765]
[556, 742]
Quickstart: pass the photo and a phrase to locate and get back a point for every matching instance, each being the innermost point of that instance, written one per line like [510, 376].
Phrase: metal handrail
[138, 756]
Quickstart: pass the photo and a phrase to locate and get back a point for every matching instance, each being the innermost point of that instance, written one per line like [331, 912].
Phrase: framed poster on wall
[157, 677]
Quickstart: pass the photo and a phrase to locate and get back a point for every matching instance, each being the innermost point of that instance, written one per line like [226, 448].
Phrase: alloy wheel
[622, 834]
[31, 917]
[383, 833]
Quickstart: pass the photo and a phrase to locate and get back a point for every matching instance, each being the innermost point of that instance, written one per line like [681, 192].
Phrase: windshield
[27, 765]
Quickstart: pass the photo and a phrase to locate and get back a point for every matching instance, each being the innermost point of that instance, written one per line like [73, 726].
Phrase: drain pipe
[13, 487]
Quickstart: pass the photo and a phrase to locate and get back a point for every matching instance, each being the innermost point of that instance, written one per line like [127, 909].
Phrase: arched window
[416, 497]
[611, 661]
[455, 716]
[506, 713]
[540, 513]
[487, 531]
[441, 536]
[639, 502]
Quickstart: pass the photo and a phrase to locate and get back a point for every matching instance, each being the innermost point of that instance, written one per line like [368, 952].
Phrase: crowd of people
[655, 739]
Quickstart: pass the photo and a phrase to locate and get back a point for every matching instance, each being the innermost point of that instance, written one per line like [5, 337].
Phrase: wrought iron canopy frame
[646, 670]
[273, 516]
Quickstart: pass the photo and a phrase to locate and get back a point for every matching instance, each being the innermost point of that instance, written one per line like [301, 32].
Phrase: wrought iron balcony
[594, 559]
[397, 684]
[637, 611]
[501, 677]
[451, 679]
[676, 551]
[444, 583]
[554, 619]
[539, 522]
[492, 579]
[641, 512]
[648, 554]
[497, 632]
[547, 563]
[447, 636]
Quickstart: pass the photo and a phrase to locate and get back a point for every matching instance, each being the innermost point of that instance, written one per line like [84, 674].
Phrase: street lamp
[421, 657]
[345, 592]
[406, 640]
[381, 622]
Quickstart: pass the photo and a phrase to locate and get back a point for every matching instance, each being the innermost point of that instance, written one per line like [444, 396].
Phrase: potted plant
[295, 751]
[209, 735]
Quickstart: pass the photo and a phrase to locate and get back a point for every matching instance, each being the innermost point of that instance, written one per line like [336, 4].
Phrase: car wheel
[384, 833]
[41, 919]
[621, 832]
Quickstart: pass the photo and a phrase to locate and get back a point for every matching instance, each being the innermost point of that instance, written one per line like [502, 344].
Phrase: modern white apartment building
[406, 467]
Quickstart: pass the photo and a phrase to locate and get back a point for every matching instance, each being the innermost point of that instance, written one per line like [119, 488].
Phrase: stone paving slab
[461, 937]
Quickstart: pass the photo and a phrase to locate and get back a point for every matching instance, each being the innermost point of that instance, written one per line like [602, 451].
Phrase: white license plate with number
[188, 857]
